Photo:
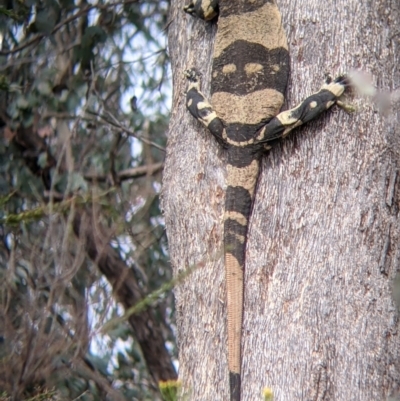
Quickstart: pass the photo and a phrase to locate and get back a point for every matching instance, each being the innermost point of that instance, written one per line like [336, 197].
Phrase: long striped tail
[238, 204]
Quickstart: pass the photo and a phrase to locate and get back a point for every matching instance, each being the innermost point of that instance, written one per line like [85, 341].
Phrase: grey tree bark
[320, 322]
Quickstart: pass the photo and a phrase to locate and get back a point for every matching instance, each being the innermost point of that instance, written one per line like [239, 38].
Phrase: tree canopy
[84, 102]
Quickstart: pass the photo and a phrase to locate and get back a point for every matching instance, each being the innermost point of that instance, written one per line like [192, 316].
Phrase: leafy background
[84, 102]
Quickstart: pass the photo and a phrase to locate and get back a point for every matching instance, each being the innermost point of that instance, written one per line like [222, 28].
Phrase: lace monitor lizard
[249, 77]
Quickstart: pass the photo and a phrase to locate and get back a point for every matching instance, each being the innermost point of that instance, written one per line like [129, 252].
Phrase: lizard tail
[238, 204]
[234, 386]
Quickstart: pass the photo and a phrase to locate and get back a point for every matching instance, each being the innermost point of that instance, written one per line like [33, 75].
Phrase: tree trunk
[320, 322]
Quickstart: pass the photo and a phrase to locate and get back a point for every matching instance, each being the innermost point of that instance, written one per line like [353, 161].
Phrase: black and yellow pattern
[249, 78]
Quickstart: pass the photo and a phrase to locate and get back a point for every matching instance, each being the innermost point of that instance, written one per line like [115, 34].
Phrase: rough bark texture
[323, 248]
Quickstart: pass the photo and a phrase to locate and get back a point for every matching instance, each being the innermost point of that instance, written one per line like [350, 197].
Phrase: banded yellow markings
[337, 88]
[253, 68]
[262, 26]
[287, 117]
[245, 177]
[236, 143]
[208, 113]
[229, 68]
[236, 216]
[208, 9]
[249, 109]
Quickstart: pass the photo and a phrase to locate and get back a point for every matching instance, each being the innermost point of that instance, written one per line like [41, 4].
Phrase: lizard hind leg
[309, 109]
[206, 10]
[200, 108]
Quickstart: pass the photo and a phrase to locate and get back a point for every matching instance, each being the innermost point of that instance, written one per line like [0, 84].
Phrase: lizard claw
[343, 80]
[190, 9]
[192, 75]
[339, 79]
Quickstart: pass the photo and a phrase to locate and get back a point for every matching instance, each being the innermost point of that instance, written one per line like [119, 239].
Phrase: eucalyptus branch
[150, 299]
[129, 173]
[71, 18]
[129, 132]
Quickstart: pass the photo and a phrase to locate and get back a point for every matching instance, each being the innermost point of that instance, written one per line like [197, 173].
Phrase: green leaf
[92, 36]
[44, 88]
[22, 103]
[47, 17]
[99, 363]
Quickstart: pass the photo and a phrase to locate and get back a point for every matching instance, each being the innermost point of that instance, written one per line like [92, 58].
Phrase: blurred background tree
[84, 101]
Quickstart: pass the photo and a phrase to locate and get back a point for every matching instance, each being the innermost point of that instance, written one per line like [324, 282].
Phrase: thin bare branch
[127, 131]
[129, 173]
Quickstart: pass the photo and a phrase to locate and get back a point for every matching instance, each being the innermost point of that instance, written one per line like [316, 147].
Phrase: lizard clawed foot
[345, 81]
[338, 86]
[190, 9]
[192, 75]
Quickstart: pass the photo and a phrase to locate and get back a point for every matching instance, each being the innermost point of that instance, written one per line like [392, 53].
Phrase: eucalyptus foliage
[84, 100]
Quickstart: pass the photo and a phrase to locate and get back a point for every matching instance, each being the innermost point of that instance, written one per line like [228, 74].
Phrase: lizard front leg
[201, 109]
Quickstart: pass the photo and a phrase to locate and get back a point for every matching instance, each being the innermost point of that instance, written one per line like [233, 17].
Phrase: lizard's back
[250, 64]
